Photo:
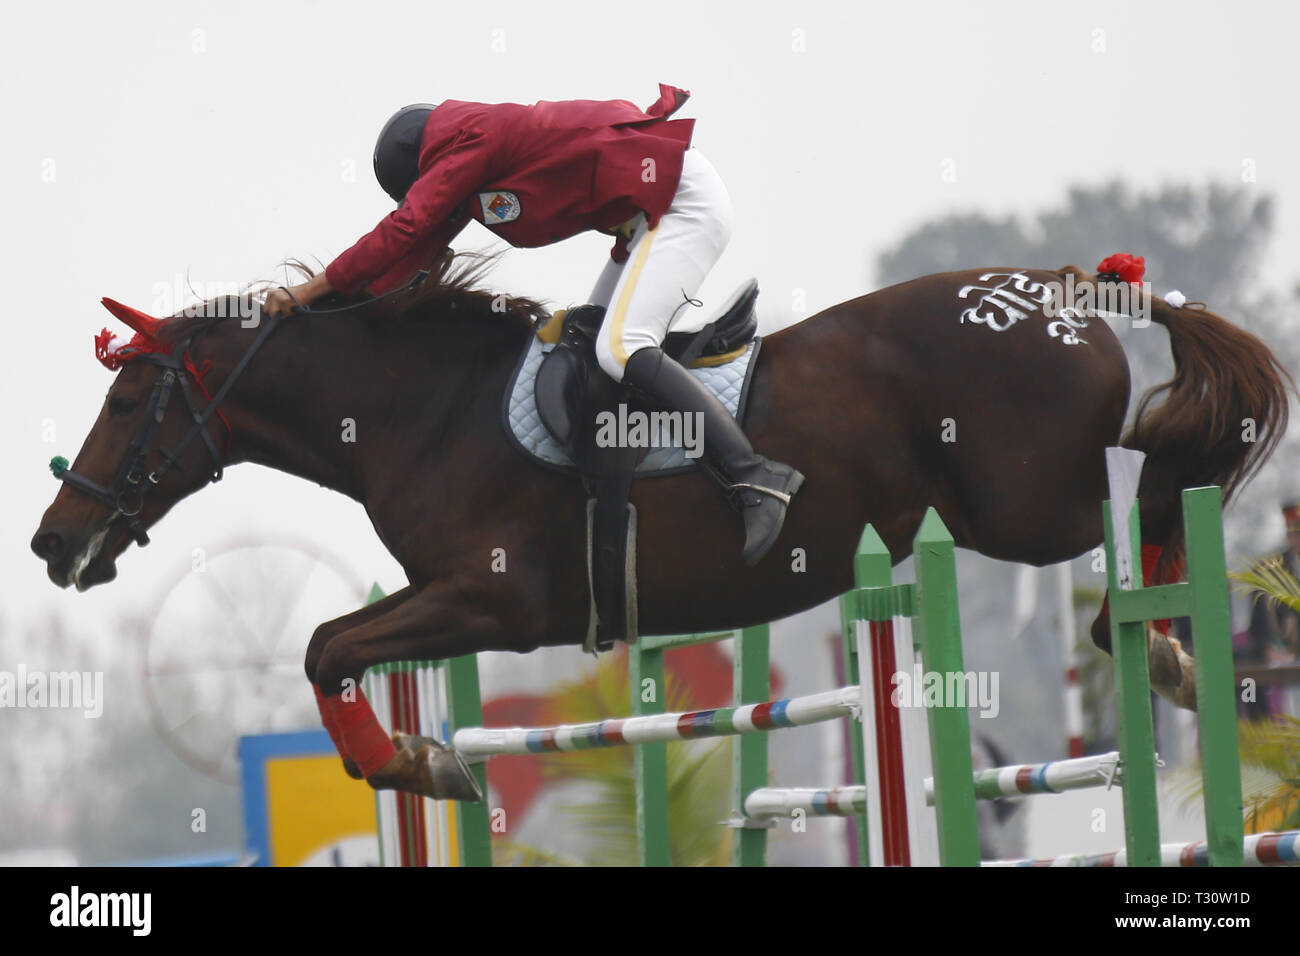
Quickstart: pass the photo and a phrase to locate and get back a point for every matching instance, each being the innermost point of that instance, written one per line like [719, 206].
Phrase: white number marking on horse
[1002, 304]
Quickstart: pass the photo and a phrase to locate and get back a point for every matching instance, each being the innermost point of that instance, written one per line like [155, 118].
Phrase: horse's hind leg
[1172, 670]
[436, 622]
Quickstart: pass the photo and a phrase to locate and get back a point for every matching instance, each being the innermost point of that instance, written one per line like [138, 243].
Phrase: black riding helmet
[397, 151]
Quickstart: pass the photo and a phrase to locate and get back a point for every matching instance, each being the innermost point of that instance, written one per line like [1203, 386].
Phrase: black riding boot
[758, 488]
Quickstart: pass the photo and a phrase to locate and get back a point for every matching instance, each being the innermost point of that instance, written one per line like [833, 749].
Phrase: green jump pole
[937, 631]
[1216, 695]
[1203, 598]
[751, 684]
[650, 761]
[465, 709]
[1137, 746]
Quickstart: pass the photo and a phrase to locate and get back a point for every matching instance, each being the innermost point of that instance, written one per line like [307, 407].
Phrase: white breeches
[665, 267]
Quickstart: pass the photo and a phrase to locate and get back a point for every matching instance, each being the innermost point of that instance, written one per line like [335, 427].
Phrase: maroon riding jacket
[532, 174]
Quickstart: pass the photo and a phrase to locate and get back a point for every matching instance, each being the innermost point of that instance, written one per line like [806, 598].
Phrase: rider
[538, 174]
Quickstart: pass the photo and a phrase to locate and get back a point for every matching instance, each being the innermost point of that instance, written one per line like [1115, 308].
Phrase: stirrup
[781, 496]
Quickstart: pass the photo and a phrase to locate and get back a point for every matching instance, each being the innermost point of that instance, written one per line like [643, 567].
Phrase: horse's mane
[452, 288]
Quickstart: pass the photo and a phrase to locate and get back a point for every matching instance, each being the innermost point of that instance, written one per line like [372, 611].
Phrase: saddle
[572, 394]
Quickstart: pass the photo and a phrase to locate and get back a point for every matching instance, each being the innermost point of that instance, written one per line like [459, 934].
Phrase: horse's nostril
[48, 545]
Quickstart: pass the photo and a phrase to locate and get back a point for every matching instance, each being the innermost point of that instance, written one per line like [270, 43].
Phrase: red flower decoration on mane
[1123, 266]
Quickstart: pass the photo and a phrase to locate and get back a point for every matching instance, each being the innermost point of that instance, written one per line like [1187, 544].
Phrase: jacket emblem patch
[499, 206]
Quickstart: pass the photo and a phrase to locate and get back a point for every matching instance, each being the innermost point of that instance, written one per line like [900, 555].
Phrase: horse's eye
[122, 406]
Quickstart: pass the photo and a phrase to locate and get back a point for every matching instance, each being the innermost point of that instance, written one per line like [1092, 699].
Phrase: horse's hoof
[452, 777]
[1162, 659]
[352, 770]
[1185, 696]
[1173, 671]
[427, 767]
[414, 742]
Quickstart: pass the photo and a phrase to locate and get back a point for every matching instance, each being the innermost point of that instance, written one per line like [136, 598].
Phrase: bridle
[132, 483]
[127, 495]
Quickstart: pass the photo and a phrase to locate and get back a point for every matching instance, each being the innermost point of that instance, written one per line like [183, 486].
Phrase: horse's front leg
[435, 623]
[320, 640]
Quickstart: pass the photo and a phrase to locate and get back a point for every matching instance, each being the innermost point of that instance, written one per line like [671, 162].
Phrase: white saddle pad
[726, 381]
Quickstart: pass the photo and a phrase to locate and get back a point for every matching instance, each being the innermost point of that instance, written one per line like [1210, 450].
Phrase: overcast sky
[148, 143]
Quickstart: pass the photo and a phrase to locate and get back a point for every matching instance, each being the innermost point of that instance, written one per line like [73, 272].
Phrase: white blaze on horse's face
[88, 554]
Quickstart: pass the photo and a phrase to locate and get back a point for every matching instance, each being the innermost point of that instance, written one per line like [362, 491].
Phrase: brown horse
[940, 391]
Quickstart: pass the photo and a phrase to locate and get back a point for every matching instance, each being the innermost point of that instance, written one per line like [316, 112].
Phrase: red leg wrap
[1150, 556]
[327, 719]
[363, 738]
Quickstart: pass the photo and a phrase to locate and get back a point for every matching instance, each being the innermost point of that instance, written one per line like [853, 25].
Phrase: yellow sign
[300, 808]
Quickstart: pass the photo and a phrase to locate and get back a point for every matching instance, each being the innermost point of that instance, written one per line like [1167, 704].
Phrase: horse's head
[161, 436]
[158, 438]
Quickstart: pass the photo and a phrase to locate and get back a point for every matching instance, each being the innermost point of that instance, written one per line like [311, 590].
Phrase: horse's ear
[146, 325]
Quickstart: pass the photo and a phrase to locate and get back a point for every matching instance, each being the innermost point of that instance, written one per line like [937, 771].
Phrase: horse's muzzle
[75, 557]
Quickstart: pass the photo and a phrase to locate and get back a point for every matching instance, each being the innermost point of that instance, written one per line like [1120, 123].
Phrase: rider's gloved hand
[282, 301]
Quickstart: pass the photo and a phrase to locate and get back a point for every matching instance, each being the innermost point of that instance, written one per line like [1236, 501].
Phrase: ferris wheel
[223, 654]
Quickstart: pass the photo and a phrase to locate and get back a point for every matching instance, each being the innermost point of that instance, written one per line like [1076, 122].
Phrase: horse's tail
[1223, 413]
